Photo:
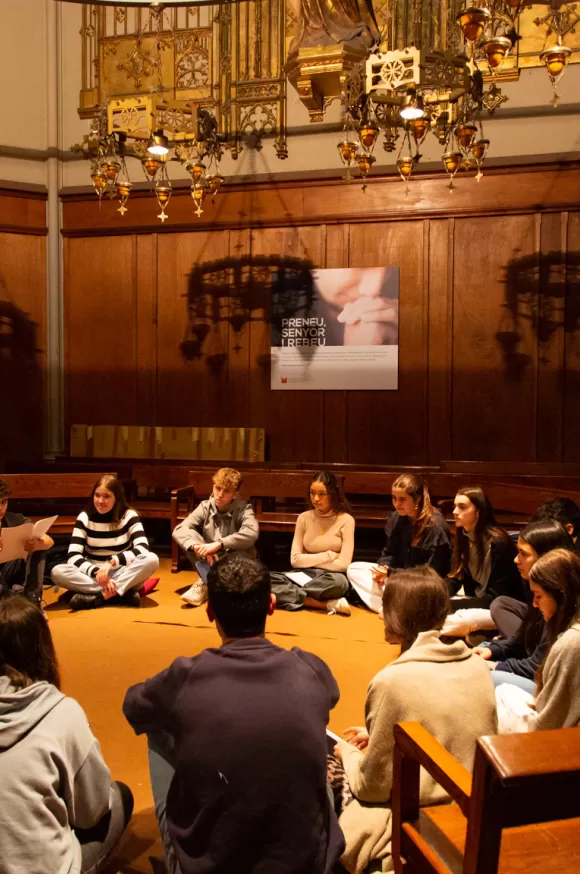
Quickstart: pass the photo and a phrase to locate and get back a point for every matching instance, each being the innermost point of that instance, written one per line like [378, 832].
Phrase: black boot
[131, 598]
[79, 601]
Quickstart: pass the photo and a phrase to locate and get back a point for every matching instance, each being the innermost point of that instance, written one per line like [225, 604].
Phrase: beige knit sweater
[317, 535]
[449, 691]
[558, 704]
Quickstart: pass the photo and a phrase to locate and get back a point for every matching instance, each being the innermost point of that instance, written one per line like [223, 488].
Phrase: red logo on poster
[283, 379]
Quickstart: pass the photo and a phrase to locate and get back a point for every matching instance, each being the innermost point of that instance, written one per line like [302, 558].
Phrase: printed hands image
[368, 303]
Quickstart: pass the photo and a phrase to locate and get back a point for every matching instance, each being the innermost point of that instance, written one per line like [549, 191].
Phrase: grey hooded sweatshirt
[52, 779]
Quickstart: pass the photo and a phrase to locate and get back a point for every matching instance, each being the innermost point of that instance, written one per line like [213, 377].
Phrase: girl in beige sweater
[321, 550]
[444, 687]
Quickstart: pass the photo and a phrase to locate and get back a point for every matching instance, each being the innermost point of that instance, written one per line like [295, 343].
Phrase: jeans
[161, 771]
[500, 677]
[132, 577]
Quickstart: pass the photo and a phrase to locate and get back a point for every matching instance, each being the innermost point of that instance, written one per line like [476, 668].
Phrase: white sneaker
[196, 594]
[338, 605]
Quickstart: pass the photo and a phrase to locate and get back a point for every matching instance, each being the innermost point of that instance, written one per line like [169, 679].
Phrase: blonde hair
[227, 478]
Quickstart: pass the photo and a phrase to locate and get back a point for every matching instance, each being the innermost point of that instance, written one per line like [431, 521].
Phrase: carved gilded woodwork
[235, 58]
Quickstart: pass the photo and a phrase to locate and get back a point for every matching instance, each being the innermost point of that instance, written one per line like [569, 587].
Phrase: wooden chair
[518, 814]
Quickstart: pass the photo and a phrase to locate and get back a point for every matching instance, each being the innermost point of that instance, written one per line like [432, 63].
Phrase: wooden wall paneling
[299, 201]
[295, 422]
[390, 426]
[191, 382]
[572, 342]
[441, 236]
[494, 339]
[241, 368]
[335, 403]
[551, 340]
[100, 331]
[145, 262]
[22, 344]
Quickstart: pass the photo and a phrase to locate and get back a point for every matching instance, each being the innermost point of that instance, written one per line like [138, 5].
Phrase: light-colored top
[54, 780]
[558, 704]
[445, 689]
[317, 535]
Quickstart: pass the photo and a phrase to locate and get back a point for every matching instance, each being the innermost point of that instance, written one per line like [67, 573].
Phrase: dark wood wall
[22, 322]
[489, 318]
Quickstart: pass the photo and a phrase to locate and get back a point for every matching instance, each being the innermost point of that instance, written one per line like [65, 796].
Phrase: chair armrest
[178, 495]
[416, 743]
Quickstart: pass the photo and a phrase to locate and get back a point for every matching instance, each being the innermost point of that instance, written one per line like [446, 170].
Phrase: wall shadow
[543, 290]
[21, 390]
[237, 291]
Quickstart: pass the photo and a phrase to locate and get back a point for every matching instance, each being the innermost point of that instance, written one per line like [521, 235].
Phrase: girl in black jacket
[483, 554]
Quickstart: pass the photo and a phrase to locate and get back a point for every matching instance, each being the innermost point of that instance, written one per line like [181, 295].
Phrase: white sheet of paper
[13, 540]
[297, 577]
[43, 525]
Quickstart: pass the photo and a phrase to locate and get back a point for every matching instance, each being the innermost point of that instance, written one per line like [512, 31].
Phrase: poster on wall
[335, 329]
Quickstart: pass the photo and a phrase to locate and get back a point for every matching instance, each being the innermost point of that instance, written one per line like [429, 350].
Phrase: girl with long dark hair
[483, 553]
[417, 534]
[516, 657]
[60, 810]
[322, 550]
[109, 555]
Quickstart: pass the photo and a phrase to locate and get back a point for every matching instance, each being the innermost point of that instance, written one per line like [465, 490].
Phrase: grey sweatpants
[70, 577]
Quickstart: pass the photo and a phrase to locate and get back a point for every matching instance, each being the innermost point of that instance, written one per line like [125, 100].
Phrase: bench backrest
[32, 486]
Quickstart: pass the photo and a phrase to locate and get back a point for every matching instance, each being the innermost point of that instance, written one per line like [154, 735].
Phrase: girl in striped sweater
[108, 556]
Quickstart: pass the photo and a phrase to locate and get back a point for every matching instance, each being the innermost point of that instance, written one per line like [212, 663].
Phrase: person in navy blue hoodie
[516, 657]
[237, 743]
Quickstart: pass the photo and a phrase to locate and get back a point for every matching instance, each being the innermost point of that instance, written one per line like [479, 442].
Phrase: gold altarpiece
[236, 58]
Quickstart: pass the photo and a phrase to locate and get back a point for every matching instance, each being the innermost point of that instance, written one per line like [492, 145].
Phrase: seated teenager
[237, 746]
[516, 656]
[108, 557]
[59, 810]
[417, 534]
[444, 687]
[21, 575]
[322, 550]
[483, 564]
[555, 584]
[567, 513]
[224, 523]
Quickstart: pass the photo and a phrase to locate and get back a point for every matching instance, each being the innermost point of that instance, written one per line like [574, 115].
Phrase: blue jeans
[161, 771]
[500, 677]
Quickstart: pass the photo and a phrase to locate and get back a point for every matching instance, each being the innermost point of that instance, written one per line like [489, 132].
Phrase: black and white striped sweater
[94, 540]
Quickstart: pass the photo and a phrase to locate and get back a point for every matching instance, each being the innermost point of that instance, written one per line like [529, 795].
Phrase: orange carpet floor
[103, 652]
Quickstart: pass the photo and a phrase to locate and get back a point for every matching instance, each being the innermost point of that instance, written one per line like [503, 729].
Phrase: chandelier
[406, 94]
[154, 130]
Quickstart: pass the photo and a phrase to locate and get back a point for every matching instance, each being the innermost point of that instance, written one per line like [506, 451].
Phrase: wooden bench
[45, 494]
[518, 814]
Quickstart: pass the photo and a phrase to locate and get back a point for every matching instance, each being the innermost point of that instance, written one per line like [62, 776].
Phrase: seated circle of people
[321, 551]
[224, 523]
[443, 686]
[517, 654]
[59, 810]
[417, 534]
[555, 584]
[237, 742]
[21, 575]
[483, 565]
[108, 558]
